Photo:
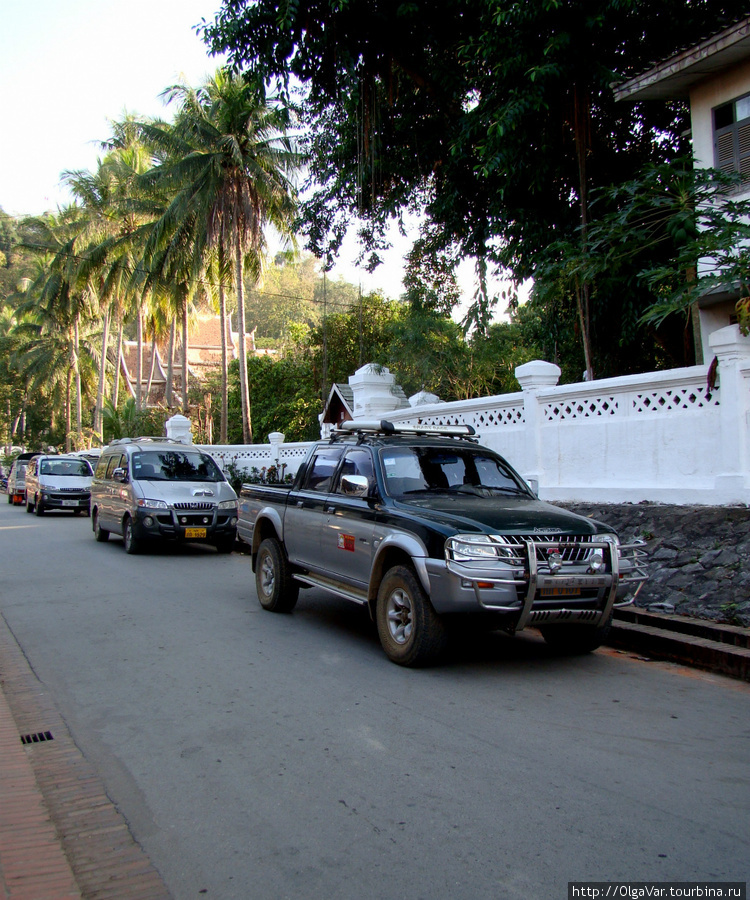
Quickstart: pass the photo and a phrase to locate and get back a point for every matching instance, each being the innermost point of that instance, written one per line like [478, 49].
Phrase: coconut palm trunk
[223, 425]
[98, 415]
[118, 366]
[170, 365]
[185, 402]
[247, 434]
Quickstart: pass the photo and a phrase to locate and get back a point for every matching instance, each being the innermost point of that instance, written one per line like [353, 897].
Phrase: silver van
[149, 489]
[58, 482]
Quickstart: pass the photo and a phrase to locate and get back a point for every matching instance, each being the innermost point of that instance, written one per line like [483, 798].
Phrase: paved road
[264, 756]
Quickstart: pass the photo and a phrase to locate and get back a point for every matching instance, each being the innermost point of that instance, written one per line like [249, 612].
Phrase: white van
[150, 489]
[58, 482]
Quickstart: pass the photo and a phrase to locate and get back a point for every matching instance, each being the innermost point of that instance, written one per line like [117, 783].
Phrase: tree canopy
[496, 118]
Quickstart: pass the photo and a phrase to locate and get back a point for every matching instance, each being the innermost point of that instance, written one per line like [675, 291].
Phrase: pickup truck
[424, 527]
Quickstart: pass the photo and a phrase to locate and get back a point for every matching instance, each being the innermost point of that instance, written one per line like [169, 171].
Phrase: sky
[70, 67]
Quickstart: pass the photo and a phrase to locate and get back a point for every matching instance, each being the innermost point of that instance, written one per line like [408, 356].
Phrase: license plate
[195, 532]
[560, 592]
[70, 503]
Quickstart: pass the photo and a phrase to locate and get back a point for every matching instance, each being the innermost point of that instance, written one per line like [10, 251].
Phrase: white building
[714, 76]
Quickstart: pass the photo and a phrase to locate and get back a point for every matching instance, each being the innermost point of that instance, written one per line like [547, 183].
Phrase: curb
[707, 645]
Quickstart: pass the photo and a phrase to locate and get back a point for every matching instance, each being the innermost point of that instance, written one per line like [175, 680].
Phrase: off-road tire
[277, 591]
[410, 631]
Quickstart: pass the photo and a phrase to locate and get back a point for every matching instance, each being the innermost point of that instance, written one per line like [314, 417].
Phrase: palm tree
[227, 165]
[60, 301]
[116, 216]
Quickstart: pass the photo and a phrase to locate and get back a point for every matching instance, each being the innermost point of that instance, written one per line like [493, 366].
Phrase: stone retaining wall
[697, 556]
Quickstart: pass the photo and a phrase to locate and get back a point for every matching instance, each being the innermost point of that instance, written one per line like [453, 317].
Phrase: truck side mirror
[354, 485]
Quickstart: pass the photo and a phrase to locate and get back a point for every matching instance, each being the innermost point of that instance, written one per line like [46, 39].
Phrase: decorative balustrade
[664, 436]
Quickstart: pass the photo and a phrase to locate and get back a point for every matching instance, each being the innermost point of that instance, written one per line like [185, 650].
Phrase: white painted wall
[661, 436]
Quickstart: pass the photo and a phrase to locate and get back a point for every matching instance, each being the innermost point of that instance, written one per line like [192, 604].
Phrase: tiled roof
[672, 78]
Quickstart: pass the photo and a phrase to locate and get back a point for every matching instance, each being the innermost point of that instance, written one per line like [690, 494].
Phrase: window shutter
[725, 151]
[743, 141]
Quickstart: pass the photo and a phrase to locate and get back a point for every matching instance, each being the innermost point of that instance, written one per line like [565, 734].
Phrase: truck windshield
[175, 465]
[414, 470]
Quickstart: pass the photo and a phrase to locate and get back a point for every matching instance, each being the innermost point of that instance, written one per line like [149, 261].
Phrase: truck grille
[572, 547]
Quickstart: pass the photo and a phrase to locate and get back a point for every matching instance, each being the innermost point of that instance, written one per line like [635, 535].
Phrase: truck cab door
[305, 512]
[346, 538]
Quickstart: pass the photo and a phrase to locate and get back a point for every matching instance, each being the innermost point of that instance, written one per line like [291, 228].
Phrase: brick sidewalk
[32, 863]
[61, 837]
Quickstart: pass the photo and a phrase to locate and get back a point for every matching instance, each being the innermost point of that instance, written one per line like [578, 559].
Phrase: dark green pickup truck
[426, 526]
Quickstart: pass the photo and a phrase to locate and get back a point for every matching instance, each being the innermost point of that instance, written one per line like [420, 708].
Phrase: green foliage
[497, 117]
[127, 421]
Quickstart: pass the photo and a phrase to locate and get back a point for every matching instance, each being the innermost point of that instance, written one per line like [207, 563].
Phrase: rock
[664, 553]
[696, 556]
[661, 607]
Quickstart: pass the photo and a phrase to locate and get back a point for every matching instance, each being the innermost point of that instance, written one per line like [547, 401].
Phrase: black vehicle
[426, 526]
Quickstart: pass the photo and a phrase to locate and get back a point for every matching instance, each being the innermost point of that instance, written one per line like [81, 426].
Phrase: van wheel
[29, 506]
[100, 533]
[132, 544]
[277, 591]
[38, 508]
[411, 632]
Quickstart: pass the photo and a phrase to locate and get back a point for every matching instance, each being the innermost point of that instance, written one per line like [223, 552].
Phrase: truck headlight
[477, 547]
[228, 504]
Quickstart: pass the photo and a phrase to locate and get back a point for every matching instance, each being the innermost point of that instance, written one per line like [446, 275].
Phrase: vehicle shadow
[468, 646]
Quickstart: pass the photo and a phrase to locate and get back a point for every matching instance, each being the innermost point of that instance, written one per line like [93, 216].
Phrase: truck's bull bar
[595, 565]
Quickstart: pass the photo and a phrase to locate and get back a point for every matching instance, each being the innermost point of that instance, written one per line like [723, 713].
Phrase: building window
[732, 136]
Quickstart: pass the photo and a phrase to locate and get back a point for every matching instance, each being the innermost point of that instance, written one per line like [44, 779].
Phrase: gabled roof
[673, 78]
[340, 405]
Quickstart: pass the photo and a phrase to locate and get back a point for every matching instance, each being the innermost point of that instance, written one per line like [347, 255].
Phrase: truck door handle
[300, 504]
[330, 509]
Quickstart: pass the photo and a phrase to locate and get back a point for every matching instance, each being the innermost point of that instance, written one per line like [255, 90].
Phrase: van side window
[101, 467]
[114, 463]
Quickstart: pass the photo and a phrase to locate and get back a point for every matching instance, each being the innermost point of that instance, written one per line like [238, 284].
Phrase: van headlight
[153, 504]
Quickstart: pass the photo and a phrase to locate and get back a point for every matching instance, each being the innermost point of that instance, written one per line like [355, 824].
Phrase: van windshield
[72, 467]
[174, 465]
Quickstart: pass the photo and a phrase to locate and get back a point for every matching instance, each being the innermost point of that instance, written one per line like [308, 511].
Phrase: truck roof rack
[383, 426]
[136, 440]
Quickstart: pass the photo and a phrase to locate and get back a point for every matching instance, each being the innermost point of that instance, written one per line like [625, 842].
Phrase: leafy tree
[496, 116]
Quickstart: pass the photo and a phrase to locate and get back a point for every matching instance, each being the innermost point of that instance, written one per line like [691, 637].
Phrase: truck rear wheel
[277, 590]
[411, 632]
[575, 639]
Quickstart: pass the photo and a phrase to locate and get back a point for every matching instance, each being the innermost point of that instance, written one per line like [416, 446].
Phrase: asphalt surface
[258, 755]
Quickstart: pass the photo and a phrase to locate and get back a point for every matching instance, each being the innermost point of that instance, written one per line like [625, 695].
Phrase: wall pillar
[375, 392]
[179, 428]
[533, 376]
[732, 350]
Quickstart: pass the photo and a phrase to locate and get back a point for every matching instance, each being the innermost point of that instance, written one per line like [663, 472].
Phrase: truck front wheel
[411, 632]
[277, 590]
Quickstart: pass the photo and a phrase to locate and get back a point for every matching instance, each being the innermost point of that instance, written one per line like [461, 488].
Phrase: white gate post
[532, 376]
[732, 350]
